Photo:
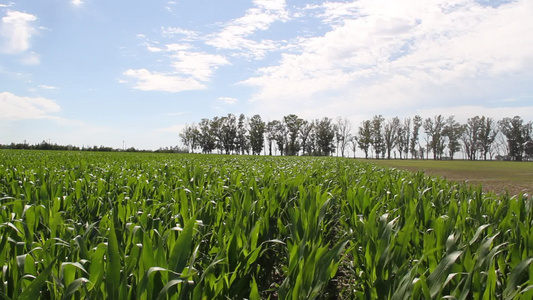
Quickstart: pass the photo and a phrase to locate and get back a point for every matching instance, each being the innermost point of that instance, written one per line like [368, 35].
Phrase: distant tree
[292, 124]
[390, 134]
[312, 148]
[433, 129]
[257, 134]
[207, 140]
[364, 136]
[270, 135]
[528, 150]
[343, 135]
[190, 137]
[353, 144]
[377, 136]
[517, 134]
[227, 133]
[470, 137]
[280, 135]
[417, 123]
[325, 135]
[242, 141]
[487, 135]
[217, 132]
[306, 129]
[404, 132]
[453, 131]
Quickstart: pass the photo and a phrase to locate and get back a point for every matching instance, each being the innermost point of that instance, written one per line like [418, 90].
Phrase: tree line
[44, 145]
[479, 138]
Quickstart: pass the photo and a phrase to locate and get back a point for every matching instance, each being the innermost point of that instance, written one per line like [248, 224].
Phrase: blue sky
[88, 72]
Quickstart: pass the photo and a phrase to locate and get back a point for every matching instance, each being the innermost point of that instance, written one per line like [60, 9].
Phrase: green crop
[164, 226]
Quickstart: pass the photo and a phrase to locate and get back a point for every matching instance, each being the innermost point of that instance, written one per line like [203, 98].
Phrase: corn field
[156, 226]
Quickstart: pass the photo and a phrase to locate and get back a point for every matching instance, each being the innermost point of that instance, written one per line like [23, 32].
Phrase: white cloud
[384, 55]
[150, 81]
[48, 87]
[228, 100]
[187, 35]
[25, 108]
[199, 65]
[77, 2]
[168, 47]
[16, 32]
[190, 70]
[235, 34]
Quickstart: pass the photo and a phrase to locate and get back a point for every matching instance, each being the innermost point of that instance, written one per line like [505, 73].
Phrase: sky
[134, 72]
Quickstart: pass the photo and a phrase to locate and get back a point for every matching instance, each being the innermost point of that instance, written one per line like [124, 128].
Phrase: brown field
[494, 176]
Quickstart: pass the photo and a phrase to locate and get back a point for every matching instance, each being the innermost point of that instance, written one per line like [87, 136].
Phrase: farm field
[166, 226]
[495, 176]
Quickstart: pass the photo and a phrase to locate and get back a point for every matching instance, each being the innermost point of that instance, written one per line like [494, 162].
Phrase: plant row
[156, 226]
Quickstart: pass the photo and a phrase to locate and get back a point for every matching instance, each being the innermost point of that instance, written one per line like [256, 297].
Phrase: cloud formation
[191, 70]
[382, 55]
[16, 32]
[151, 81]
[26, 108]
[235, 34]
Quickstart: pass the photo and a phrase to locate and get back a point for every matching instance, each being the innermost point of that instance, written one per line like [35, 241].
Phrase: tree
[242, 142]
[305, 132]
[293, 124]
[325, 134]
[364, 137]
[453, 131]
[433, 130]
[404, 132]
[257, 134]
[280, 135]
[228, 133]
[517, 134]
[190, 137]
[417, 123]
[470, 137]
[528, 149]
[487, 136]
[391, 134]
[344, 126]
[270, 134]
[207, 140]
[353, 144]
[377, 135]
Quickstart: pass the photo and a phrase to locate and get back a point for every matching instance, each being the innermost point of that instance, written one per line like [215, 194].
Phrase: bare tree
[344, 126]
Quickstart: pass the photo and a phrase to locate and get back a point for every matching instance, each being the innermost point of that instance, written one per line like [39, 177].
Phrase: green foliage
[161, 226]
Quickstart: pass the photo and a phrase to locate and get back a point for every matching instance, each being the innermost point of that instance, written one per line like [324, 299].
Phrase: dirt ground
[494, 176]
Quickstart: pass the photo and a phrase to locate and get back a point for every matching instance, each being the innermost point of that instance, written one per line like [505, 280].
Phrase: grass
[494, 176]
